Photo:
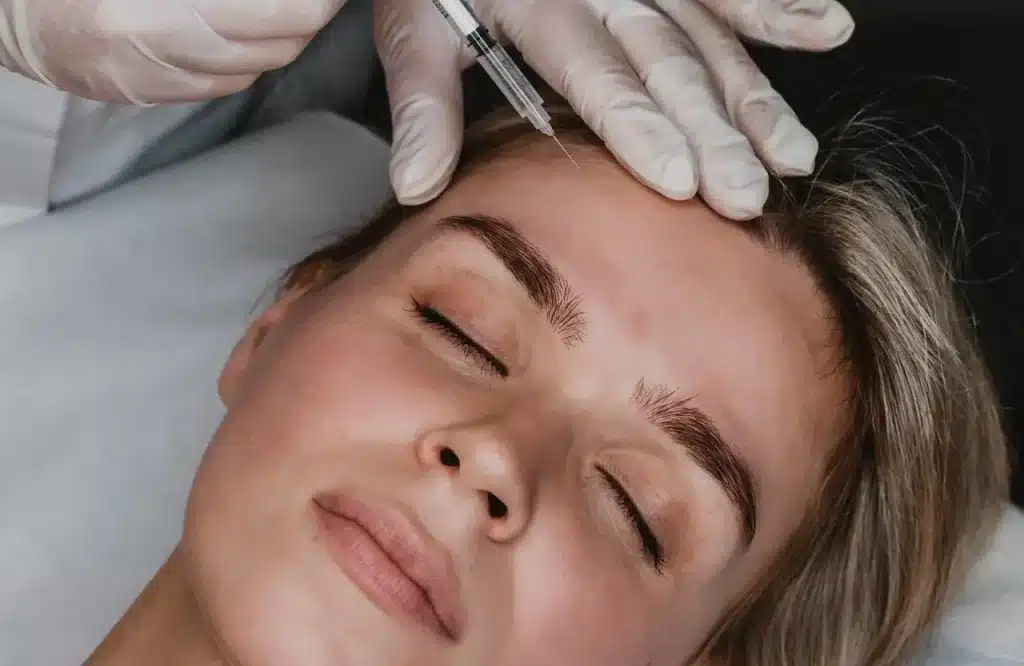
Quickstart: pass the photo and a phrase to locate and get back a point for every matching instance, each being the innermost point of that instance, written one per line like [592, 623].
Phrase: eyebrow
[543, 284]
[684, 423]
[692, 429]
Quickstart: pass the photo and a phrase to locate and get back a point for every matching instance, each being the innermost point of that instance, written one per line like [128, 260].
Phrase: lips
[395, 563]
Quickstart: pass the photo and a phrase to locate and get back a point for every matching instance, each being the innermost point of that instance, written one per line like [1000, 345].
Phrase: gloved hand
[155, 50]
[665, 83]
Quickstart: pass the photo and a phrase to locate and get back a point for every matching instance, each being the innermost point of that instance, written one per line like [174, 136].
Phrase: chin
[282, 604]
[282, 623]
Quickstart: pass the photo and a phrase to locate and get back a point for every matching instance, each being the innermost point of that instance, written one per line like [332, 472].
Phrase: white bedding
[116, 316]
[30, 118]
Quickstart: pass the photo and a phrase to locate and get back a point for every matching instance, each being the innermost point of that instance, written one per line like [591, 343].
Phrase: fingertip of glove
[677, 179]
[742, 203]
[824, 29]
[812, 25]
[418, 197]
[791, 148]
[417, 182]
[738, 194]
[837, 26]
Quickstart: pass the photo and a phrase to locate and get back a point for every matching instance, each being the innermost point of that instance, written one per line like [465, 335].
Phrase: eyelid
[482, 312]
[432, 317]
[645, 531]
[683, 505]
[662, 491]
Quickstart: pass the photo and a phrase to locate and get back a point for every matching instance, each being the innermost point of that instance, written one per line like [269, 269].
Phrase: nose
[478, 461]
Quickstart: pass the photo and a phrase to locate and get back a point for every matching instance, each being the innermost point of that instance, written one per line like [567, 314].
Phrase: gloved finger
[819, 6]
[420, 54]
[568, 45]
[210, 87]
[781, 141]
[267, 19]
[212, 54]
[176, 86]
[809, 25]
[732, 180]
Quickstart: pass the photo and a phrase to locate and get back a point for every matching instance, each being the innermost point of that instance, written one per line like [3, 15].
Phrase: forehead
[675, 295]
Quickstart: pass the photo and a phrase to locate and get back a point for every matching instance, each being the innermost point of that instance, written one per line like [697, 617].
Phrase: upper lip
[410, 547]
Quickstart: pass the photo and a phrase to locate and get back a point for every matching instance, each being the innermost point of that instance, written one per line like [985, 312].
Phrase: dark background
[944, 76]
[947, 74]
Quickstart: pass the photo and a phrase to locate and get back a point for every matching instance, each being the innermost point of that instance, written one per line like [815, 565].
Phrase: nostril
[495, 507]
[449, 458]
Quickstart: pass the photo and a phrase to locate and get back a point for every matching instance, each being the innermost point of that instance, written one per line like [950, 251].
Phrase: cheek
[336, 383]
[565, 578]
[578, 599]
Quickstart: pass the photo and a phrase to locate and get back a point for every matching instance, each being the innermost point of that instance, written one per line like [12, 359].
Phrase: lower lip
[375, 573]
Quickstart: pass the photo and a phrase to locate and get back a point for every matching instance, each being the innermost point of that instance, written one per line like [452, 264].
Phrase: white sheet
[985, 627]
[30, 119]
[99, 141]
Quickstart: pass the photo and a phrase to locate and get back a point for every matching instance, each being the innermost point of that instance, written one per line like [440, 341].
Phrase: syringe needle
[547, 130]
[564, 150]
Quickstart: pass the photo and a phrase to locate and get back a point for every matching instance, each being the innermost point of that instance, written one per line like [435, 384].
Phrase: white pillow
[116, 317]
[30, 119]
[985, 627]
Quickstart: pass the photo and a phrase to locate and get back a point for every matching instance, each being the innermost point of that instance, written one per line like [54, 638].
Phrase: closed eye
[651, 547]
[432, 318]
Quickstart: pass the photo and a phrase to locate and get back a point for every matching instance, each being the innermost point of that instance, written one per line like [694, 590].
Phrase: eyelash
[432, 318]
[653, 551]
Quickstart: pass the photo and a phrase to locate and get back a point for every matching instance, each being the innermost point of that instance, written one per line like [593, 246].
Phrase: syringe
[499, 66]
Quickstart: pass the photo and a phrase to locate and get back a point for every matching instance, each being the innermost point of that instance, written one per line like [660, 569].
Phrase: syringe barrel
[495, 60]
[512, 83]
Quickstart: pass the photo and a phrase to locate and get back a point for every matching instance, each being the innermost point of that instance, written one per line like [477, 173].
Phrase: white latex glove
[143, 51]
[665, 83]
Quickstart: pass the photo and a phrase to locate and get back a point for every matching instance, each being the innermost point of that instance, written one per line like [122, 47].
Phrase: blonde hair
[913, 493]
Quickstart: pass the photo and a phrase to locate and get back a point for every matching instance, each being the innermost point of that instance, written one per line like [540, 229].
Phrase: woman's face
[555, 419]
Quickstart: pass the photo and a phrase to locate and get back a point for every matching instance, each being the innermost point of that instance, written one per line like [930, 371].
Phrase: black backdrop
[950, 72]
[944, 75]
